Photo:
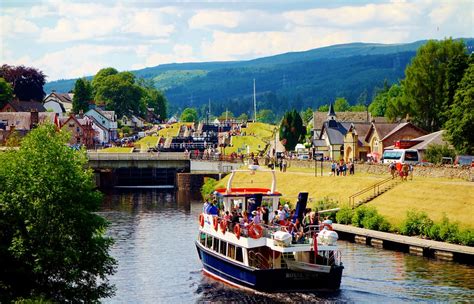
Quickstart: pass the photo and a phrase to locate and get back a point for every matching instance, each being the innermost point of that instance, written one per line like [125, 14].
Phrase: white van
[409, 156]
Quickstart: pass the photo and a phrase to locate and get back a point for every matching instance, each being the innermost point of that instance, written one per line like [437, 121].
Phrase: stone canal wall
[465, 173]
[192, 182]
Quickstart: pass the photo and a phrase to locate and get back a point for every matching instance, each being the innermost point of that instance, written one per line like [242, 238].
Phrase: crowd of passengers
[284, 219]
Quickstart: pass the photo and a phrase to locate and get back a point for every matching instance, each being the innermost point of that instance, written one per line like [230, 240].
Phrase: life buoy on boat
[223, 226]
[255, 231]
[201, 220]
[328, 226]
[215, 222]
[237, 231]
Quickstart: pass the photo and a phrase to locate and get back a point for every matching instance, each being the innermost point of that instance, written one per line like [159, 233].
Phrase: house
[381, 136]
[60, 103]
[23, 122]
[23, 106]
[105, 125]
[82, 132]
[330, 137]
[134, 122]
[355, 146]
[360, 117]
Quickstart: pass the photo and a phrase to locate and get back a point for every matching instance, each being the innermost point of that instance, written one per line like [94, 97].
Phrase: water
[158, 263]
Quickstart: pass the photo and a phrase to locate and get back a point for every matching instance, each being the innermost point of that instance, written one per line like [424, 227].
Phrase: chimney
[34, 120]
[81, 113]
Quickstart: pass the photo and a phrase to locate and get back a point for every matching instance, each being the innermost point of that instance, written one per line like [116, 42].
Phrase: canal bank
[413, 245]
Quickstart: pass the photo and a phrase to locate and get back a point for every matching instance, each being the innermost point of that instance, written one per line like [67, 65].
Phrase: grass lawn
[241, 142]
[151, 141]
[116, 150]
[432, 195]
[172, 130]
[261, 130]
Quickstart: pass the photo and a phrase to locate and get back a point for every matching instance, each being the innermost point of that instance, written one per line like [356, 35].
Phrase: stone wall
[425, 171]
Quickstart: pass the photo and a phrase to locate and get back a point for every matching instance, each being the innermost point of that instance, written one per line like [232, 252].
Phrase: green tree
[378, 106]
[82, 95]
[52, 244]
[292, 130]
[153, 98]
[341, 105]
[98, 81]
[307, 115]
[435, 153]
[358, 108]
[460, 125]
[6, 92]
[121, 94]
[266, 116]
[243, 117]
[226, 114]
[323, 108]
[189, 115]
[425, 82]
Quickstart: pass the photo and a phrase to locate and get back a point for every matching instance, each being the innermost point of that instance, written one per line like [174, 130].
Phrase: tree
[398, 106]
[341, 105]
[52, 244]
[120, 93]
[292, 130]
[435, 153]
[6, 92]
[189, 115]
[226, 115]
[357, 108]
[153, 98]
[243, 117]
[460, 125]
[323, 108]
[82, 95]
[27, 82]
[307, 115]
[98, 81]
[266, 116]
[425, 82]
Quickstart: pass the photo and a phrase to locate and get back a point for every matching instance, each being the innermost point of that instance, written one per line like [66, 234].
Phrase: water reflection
[158, 262]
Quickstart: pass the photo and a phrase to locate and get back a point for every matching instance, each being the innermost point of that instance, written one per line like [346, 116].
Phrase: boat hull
[268, 280]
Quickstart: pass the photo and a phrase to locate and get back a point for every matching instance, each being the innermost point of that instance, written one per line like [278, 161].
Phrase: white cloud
[213, 18]
[11, 25]
[148, 23]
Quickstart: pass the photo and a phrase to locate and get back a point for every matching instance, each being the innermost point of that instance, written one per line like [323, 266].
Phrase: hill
[297, 79]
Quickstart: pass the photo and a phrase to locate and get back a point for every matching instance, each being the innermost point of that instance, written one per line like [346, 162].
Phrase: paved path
[412, 241]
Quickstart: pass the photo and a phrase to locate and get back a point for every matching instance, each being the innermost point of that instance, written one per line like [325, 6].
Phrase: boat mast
[254, 103]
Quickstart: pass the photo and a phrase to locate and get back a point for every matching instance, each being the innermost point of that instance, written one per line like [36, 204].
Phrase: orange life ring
[201, 220]
[326, 225]
[237, 231]
[223, 226]
[255, 231]
[215, 222]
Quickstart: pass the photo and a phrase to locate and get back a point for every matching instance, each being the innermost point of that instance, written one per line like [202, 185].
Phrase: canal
[157, 262]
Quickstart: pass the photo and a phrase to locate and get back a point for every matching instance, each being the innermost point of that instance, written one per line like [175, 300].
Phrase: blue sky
[68, 39]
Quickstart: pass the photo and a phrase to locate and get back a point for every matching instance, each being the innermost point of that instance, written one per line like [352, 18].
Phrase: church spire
[331, 113]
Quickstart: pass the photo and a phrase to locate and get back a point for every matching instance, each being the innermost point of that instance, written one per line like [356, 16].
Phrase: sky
[70, 39]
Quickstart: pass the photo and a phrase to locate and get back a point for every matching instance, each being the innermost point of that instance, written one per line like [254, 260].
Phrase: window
[215, 245]
[202, 238]
[238, 255]
[209, 241]
[411, 156]
[223, 247]
[231, 251]
[77, 130]
[71, 125]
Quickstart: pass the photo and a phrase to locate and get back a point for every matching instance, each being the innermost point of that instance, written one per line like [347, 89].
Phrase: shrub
[466, 237]
[208, 187]
[448, 232]
[416, 223]
[435, 152]
[433, 232]
[344, 215]
[368, 217]
[327, 203]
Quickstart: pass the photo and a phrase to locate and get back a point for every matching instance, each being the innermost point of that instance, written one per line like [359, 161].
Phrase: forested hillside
[298, 79]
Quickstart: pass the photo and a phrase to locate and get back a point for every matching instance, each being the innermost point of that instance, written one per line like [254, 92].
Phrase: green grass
[432, 195]
[151, 141]
[116, 150]
[260, 130]
[172, 130]
[241, 142]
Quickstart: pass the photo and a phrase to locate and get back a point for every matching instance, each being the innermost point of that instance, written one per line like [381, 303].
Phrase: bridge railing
[98, 156]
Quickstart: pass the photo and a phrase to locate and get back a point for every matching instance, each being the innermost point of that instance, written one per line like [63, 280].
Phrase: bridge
[153, 170]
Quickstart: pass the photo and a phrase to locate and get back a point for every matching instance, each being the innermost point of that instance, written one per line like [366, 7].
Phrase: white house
[60, 103]
[105, 124]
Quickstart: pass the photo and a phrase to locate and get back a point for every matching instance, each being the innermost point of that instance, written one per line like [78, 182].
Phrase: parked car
[303, 157]
[464, 160]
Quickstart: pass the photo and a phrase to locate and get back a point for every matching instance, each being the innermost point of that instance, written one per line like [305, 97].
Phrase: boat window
[231, 251]
[209, 241]
[202, 238]
[238, 254]
[215, 245]
[223, 247]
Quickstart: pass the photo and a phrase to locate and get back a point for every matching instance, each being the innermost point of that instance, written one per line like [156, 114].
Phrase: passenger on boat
[213, 210]
[234, 220]
[256, 217]
[281, 213]
[296, 230]
[265, 214]
[206, 206]
[276, 218]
